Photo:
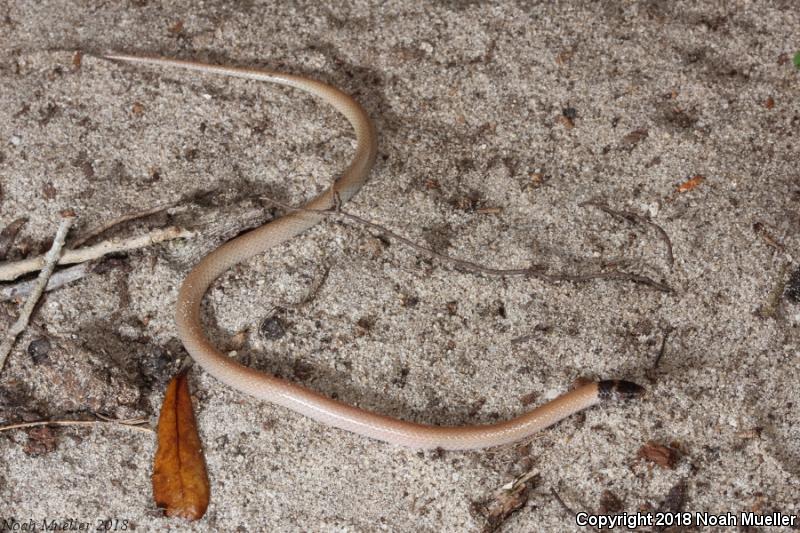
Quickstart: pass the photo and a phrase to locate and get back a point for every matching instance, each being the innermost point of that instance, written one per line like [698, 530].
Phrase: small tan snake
[296, 397]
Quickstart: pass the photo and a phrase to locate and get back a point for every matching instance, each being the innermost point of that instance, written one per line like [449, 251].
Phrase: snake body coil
[296, 397]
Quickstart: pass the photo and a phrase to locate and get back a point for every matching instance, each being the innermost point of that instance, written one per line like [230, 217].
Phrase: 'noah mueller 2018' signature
[63, 524]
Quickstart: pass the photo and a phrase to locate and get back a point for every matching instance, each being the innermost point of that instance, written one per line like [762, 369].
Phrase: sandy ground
[496, 123]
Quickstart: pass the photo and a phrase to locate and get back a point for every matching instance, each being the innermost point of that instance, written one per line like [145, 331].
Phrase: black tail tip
[615, 389]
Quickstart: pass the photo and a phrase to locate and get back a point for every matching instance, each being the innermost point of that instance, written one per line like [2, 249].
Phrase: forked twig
[105, 226]
[10, 271]
[134, 424]
[49, 263]
[535, 272]
[58, 279]
[637, 218]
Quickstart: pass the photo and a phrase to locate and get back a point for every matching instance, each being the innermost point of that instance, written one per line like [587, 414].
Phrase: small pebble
[272, 328]
[39, 349]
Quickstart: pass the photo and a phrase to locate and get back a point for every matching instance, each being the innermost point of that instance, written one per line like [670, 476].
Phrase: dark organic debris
[663, 456]
[39, 349]
[674, 502]
[609, 503]
[506, 501]
[635, 137]
[8, 235]
[41, 441]
[272, 328]
[793, 287]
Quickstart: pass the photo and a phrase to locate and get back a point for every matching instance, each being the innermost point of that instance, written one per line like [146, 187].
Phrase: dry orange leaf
[180, 480]
[691, 183]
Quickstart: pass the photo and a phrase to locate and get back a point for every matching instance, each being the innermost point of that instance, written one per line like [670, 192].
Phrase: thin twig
[612, 275]
[761, 229]
[636, 218]
[58, 279]
[535, 272]
[49, 263]
[566, 507]
[130, 421]
[769, 309]
[317, 286]
[570, 511]
[105, 226]
[467, 265]
[10, 271]
[133, 424]
[662, 350]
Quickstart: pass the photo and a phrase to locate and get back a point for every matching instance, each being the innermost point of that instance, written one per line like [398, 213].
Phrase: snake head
[615, 390]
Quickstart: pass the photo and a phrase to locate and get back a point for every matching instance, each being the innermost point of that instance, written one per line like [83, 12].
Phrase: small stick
[129, 421]
[769, 309]
[570, 512]
[535, 272]
[613, 275]
[133, 424]
[662, 350]
[10, 271]
[94, 232]
[50, 260]
[635, 217]
[566, 507]
[761, 229]
[58, 279]
[314, 290]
